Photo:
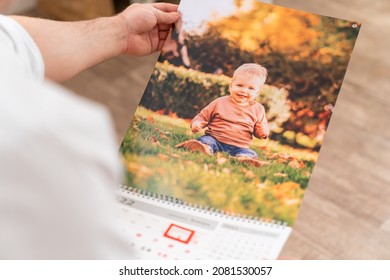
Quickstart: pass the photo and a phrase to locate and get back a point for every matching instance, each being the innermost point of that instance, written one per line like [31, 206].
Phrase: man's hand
[147, 26]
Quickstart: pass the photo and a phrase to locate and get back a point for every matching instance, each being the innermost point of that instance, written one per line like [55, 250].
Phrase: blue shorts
[217, 146]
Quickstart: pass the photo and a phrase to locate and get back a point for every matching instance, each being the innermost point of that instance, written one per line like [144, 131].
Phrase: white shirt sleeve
[59, 164]
[19, 55]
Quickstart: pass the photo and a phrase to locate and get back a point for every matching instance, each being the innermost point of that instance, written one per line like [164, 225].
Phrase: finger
[160, 44]
[162, 34]
[166, 7]
[165, 27]
[166, 18]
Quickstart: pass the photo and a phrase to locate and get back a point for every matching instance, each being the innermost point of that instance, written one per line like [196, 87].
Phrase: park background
[306, 55]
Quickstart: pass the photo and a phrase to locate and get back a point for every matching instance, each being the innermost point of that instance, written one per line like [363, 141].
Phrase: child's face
[245, 88]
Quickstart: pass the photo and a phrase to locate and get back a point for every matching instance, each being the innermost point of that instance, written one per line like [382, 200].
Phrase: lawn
[152, 162]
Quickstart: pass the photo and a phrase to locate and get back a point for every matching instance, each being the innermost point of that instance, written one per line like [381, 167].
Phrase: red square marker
[179, 233]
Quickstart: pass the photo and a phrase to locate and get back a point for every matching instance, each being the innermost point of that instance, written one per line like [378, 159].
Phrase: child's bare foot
[252, 161]
[195, 146]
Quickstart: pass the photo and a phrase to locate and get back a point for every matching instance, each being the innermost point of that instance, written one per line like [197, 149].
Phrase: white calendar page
[160, 229]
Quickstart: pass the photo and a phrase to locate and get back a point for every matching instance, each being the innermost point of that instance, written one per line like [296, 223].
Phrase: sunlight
[205, 10]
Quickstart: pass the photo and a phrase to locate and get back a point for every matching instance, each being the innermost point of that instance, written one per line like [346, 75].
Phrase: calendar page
[163, 229]
[233, 119]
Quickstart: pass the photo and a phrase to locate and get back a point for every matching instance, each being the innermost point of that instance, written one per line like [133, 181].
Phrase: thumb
[165, 17]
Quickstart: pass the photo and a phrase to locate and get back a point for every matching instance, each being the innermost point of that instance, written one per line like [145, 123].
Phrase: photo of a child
[237, 106]
[231, 121]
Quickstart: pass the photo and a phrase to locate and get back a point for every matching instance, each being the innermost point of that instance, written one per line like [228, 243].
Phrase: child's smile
[244, 89]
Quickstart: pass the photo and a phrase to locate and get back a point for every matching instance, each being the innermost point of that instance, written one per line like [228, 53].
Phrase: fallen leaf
[221, 160]
[162, 156]
[278, 155]
[291, 201]
[263, 147]
[262, 163]
[156, 144]
[226, 170]
[173, 115]
[281, 157]
[162, 135]
[152, 139]
[261, 185]
[284, 189]
[249, 174]
[139, 169]
[150, 119]
[163, 132]
[296, 164]
[280, 174]
[188, 162]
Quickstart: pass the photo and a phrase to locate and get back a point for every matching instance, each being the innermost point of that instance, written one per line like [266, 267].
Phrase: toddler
[231, 121]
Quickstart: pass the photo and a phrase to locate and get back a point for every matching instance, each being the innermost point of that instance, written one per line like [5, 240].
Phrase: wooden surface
[76, 9]
[346, 209]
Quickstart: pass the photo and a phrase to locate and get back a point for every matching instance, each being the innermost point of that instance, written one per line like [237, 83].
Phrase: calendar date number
[242, 270]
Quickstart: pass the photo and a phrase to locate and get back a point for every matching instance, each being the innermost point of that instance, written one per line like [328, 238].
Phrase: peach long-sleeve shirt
[231, 123]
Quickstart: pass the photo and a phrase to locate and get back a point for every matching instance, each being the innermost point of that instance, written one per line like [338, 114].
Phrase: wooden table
[346, 209]
[76, 9]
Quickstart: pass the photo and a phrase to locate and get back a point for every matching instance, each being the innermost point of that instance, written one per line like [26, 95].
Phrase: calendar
[164, 228]
[222, 146]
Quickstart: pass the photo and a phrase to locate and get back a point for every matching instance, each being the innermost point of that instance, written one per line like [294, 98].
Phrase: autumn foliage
[305, 54]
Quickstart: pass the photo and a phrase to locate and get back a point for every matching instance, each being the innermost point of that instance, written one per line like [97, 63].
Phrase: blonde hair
[251, 69]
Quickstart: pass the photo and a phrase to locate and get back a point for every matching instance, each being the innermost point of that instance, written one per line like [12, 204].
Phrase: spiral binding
[202, 209]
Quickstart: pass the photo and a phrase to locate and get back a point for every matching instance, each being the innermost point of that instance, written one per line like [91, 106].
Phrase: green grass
[153, 163]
